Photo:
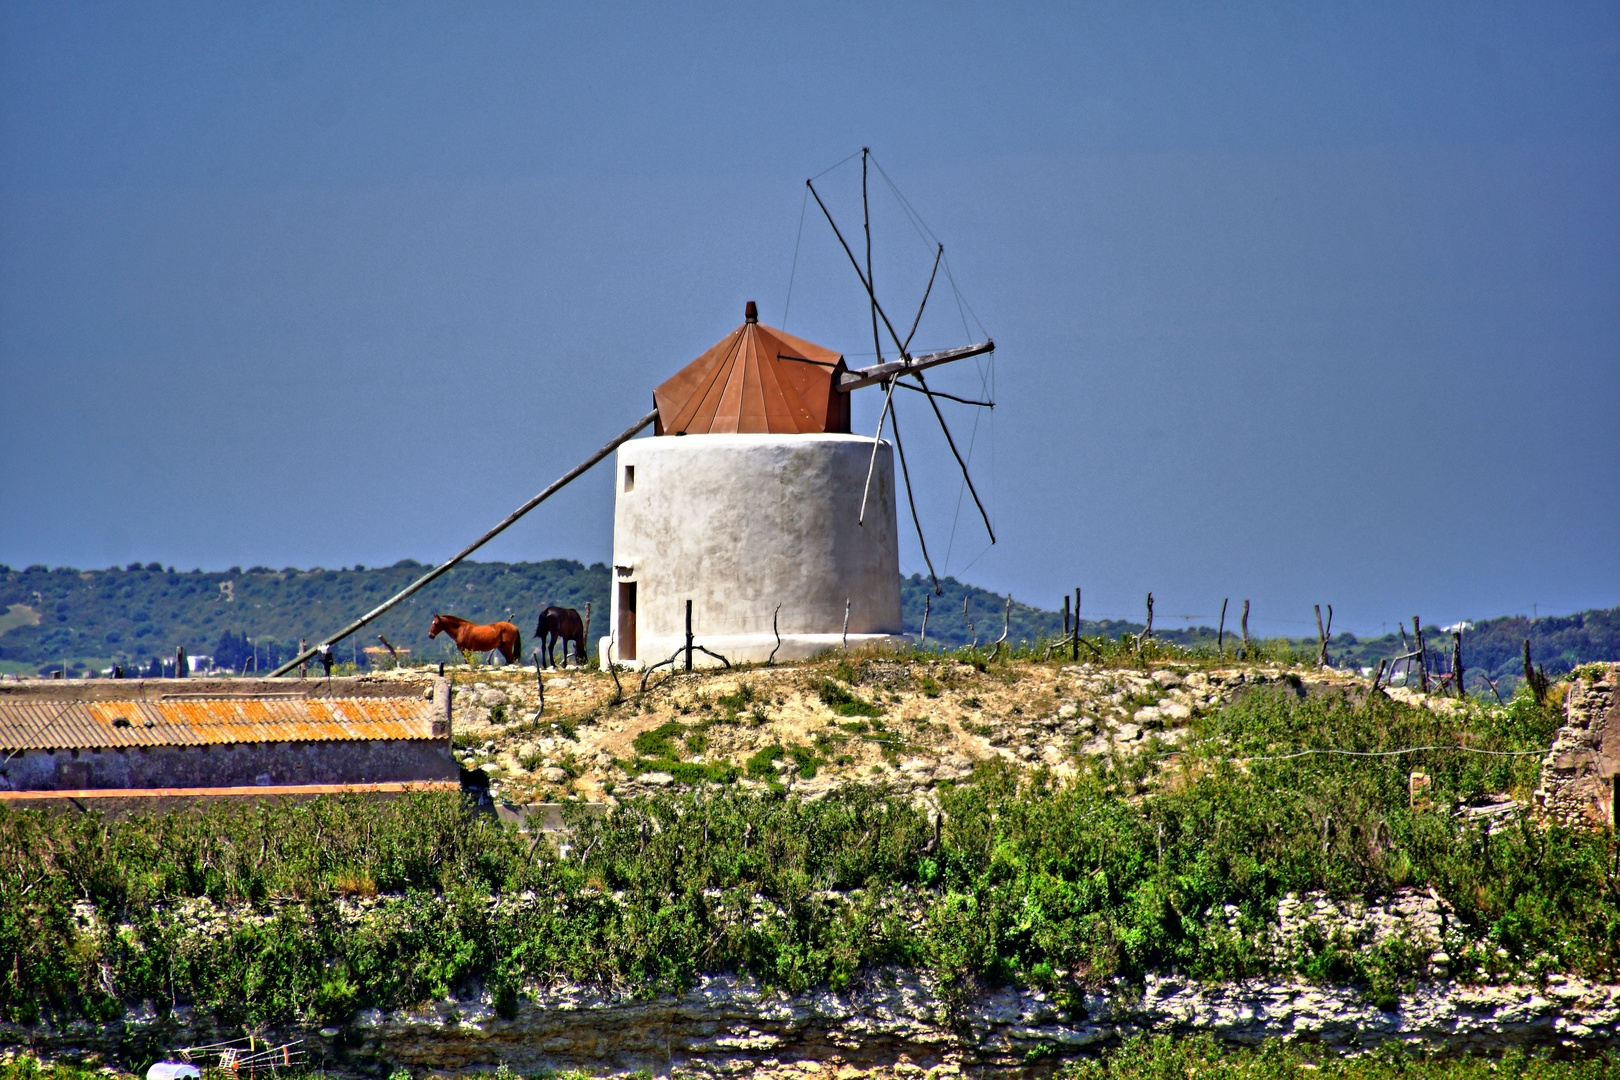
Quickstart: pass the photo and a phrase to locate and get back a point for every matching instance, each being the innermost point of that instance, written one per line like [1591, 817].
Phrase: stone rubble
[1078, 711]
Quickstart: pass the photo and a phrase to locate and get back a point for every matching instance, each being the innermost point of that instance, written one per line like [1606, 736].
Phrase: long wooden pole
[571, 475]
[939, 253]
[877, 440]
[869, 376]
[871, 282]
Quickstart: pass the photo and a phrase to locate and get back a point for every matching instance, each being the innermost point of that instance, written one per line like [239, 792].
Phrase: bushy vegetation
[1142, 1057]
[1160, 1057]
[1117, 873]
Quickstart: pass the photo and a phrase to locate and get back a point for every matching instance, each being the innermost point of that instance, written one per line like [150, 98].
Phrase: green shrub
[844, 703]
[762, 765]
[692, 772]
[806, 760]
[659, 742]
[737, 701]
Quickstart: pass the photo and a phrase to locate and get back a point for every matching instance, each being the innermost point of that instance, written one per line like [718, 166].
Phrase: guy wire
[804, 204]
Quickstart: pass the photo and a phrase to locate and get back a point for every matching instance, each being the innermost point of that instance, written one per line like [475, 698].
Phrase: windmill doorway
[627, 620]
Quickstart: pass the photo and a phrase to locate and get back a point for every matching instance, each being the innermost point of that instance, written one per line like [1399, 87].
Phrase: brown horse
[561, 624]
[475, 637]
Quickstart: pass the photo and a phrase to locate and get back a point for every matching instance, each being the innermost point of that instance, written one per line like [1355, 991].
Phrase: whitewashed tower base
[739, 524]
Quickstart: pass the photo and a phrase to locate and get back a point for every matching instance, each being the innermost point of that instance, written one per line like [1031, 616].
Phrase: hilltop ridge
[88, 620]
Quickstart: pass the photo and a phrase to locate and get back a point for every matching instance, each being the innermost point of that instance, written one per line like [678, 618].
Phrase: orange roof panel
[757, 380]
[29, 725]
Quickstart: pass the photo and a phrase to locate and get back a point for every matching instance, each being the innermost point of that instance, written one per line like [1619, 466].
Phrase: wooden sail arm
[854, 380]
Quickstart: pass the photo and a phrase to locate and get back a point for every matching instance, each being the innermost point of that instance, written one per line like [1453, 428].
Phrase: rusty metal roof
[757, 380]
[195, 721]
[257, 791]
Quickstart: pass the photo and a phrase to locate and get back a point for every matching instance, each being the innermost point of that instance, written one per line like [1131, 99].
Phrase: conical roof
[757, 380]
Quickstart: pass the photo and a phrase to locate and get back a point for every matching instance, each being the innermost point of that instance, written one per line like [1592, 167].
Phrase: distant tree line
[136, 616]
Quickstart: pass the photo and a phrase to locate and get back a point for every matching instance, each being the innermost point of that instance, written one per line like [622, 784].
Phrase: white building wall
[742, 523]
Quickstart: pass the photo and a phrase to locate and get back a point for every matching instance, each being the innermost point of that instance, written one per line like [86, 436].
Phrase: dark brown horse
[475, 637]
[561, 624]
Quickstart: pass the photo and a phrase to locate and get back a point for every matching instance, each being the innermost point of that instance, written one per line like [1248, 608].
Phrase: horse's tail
[517, 642]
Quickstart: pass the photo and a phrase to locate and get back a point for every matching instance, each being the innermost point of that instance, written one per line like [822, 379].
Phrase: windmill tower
[755, 502]
[747, 502]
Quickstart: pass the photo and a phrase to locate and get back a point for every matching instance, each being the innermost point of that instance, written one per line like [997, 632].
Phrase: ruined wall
[1578, 773]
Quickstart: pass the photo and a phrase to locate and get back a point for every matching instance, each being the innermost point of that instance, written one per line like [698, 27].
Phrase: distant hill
[988, 612]
[95, 618]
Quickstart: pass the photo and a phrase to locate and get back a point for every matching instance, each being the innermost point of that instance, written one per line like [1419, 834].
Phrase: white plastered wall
[740, 524]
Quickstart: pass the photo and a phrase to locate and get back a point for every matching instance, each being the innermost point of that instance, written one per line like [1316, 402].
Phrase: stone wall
[234, 764]
[1578, 773]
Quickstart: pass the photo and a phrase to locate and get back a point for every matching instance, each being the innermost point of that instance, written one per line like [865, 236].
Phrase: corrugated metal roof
[756, 380]
[39, 725]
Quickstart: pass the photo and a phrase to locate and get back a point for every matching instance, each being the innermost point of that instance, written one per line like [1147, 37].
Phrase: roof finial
[751, 313]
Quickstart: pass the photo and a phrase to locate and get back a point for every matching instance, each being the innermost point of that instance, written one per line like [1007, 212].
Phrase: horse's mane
[451, 620]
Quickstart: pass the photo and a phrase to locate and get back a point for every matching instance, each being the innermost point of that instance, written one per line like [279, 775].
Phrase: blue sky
[1310, 304]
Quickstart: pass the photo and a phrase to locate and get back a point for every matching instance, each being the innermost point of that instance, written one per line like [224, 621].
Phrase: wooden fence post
[1456, 662]
[1422, 657]
[689, 635]
[1074, 641]
[1220, 632]
[1147, 634]
[539, 681]
[1245, 629]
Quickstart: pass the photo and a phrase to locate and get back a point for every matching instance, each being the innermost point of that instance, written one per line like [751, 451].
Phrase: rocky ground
[811, 726]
